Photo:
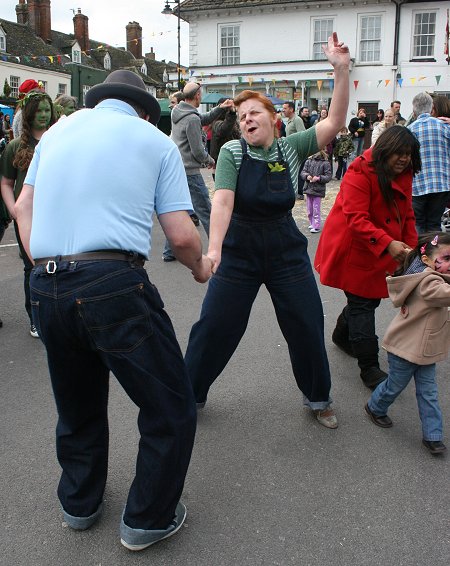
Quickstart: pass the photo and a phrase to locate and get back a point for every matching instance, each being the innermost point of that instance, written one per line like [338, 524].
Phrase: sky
[108, 19]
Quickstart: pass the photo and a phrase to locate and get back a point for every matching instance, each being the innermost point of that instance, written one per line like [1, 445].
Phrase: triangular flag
[191, 73]
[319, 84]
[379, 82]
[369, 83]
[438, 78]
[250, 80]
[413, 80]
[400, 82]
[239, 80]
[421, 78]
[59, 58]
[273, 81]
[51, 58]
[331, 84]
[263, 80]
[356, 83]
[386, 82]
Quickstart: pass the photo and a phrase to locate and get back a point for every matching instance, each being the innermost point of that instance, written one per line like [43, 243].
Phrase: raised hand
[337, 52]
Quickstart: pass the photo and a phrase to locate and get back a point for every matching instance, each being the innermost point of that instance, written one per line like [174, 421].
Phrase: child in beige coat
[419, 336]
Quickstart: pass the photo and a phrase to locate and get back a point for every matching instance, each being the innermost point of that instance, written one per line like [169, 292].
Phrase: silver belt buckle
[51, 267]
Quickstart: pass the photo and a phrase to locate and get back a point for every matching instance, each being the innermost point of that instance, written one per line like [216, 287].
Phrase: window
[144, 69]
[76, 56]
[229, 45]
[107, 62]
[2, 40]
[424, 34]
[370, 43]
[322, 29]
[62, 89]
[14, 84]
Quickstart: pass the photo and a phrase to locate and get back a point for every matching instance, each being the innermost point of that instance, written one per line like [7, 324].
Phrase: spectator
[380, 116]
[395, 106]
[380, 127]
[431, 188]
[294, 123]
[317, 172]
[304, 115]
[357, 128]
[342, 151]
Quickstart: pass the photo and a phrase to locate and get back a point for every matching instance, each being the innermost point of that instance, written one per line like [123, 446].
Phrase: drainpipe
[398, 4]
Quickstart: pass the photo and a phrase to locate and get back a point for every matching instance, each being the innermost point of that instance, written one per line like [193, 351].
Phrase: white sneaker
[33, 331]
[314, 230]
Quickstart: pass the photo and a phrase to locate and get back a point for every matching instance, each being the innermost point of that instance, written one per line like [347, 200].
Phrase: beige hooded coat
[420, 333]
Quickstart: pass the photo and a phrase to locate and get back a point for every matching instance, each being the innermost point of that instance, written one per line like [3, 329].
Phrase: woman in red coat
[369, 230]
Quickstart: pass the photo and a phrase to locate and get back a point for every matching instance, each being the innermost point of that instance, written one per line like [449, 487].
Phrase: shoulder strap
[244, 146]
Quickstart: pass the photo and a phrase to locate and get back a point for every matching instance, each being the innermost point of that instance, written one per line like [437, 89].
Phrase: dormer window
[144, 70]
[76, 55]
[107, 62]
[2, 40]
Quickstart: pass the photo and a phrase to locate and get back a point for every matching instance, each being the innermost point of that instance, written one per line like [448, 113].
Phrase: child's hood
[401, 287]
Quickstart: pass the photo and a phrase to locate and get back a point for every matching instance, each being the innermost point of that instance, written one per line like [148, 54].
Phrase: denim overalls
[262, 246]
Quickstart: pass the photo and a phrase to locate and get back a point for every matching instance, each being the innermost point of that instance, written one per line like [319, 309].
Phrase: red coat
[351, 254]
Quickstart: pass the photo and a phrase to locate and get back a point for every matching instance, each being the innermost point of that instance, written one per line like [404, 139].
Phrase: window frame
[2, 37]
[415, 57]
[320, 52]
[76, 56]
[222, 60]
[107, 61]
[361, 17]
[14, 88]
[62, 89]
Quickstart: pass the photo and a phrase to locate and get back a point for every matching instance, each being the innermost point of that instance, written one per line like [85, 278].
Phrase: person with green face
[38, 115]
[65, 105]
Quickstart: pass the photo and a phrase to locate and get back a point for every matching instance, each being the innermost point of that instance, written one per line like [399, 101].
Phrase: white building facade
[398, 48]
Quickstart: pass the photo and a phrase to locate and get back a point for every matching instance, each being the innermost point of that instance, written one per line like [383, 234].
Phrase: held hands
[337, 52]
[204, 269]
[215, 258]
[398, 250]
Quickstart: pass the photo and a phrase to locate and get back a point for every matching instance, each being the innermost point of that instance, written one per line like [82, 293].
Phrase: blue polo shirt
[98, 176]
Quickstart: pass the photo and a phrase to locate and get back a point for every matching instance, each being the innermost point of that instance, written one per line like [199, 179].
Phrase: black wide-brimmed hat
[125, 84]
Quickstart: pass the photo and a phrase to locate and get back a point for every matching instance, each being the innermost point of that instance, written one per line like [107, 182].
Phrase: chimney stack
[81, 30]
[22, 12]
[39, 17]
[151, 55]
[134, 39]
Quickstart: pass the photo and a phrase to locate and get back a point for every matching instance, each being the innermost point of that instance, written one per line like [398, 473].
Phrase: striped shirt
[294, 149]
[434, 138]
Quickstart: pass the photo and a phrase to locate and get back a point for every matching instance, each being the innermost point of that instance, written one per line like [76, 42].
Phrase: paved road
[267, 484]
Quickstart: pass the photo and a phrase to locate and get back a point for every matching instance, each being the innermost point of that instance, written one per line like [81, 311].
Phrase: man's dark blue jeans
[97, 317]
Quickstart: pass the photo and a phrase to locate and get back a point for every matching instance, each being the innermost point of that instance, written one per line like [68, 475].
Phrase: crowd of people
[84, 251]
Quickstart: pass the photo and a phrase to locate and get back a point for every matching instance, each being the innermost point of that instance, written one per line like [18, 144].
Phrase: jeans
[273, 253]
[428, 210]
[358, 144]
[360, 315]
[97, 317]
[400, 374]
[342, 167]
[201, 203]
[27, 267]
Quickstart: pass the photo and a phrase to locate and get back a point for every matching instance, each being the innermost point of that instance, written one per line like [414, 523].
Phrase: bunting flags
[400, 82]
[28, 58]
[319, 85]
[356, 83]
[250, 80]
[438, 79]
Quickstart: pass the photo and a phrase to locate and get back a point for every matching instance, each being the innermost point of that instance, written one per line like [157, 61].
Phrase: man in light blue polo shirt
[85, 216]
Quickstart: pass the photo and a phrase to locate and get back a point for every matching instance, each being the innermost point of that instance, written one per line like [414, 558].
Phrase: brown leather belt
[135, 258]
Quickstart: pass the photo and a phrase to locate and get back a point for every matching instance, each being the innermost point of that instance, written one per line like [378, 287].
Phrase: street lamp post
[168, 11]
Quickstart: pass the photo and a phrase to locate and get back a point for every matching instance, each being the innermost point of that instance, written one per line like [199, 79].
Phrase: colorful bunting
[379, 82]
[400, 82]
[438, 77]
[387, 81]
[319, 85]
[250, 80]
[356, 83]
[239, 80]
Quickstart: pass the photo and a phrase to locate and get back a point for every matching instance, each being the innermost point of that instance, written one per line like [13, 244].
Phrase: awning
[212, 98]
[164, 105]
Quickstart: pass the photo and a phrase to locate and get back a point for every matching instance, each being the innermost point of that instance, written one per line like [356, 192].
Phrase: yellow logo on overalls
[276, 168]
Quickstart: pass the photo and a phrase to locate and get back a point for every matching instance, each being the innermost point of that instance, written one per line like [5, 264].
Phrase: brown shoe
[383, 421]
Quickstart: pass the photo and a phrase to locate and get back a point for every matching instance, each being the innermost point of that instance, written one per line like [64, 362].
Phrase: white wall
[52, 78]
[278, 45]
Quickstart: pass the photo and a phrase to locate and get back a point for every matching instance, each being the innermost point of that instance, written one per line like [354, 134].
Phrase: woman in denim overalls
[254, 240]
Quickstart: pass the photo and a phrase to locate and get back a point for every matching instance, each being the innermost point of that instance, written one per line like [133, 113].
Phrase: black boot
[340, 336]
[367, 354]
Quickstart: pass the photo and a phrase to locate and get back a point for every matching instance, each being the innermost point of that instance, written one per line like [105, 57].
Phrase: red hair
[247, 94]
